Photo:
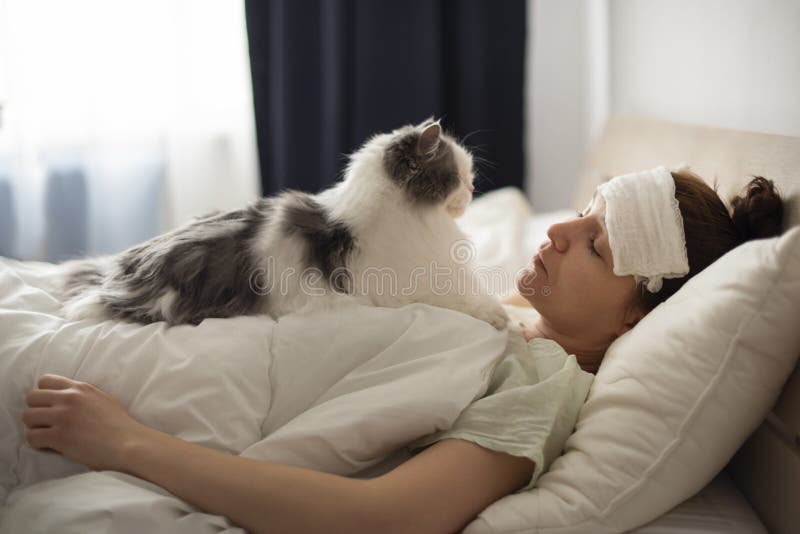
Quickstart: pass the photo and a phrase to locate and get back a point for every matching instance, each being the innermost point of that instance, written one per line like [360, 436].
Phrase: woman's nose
[557, 237]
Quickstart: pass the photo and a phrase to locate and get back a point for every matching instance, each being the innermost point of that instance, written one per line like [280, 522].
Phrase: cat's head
[430, 167]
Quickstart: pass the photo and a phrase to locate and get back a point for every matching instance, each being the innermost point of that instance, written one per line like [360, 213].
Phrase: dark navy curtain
[329, 73]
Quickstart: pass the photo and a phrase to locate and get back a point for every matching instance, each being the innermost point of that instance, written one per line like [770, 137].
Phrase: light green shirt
[530, 407]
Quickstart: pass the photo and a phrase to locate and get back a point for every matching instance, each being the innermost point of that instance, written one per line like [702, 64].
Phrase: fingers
[55, 382]
[38, 417]
[40, 438]
[51, 389]
[528, 334]
[51, 406]
[38, 398]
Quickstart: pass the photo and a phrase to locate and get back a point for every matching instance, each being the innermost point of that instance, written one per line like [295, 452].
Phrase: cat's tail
[79, 288]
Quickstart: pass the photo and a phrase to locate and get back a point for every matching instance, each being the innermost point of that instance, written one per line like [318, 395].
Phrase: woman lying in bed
[595, 278]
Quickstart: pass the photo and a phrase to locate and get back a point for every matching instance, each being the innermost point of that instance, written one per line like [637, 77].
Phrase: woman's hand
[529, 334]
[80, 421]
[529, 331]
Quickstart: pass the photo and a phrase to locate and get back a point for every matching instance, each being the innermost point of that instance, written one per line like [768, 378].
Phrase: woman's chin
[525, 280]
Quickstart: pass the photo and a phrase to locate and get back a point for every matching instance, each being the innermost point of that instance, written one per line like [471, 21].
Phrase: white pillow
[674, 399]
[496, 224]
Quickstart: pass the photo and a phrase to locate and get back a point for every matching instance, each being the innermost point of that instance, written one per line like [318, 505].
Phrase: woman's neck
[589, 355]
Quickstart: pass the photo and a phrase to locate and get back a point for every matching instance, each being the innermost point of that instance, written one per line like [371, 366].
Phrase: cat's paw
[494, 314]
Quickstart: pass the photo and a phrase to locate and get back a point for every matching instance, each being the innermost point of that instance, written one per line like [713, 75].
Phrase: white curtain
[120, 120]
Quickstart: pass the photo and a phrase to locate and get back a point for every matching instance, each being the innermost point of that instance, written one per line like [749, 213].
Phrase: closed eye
[591, 241]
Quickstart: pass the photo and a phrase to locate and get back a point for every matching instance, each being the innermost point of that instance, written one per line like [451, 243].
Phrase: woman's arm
[439, 490]
[446, 486]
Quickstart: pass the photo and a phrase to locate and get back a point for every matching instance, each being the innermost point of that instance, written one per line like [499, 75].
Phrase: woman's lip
[538, 261]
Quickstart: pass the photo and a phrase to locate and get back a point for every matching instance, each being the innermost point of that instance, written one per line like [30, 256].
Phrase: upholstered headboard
[767, 467]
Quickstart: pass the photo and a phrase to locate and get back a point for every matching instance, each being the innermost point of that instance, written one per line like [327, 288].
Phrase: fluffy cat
[385, 236]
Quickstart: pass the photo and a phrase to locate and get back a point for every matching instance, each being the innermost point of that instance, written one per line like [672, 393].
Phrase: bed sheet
[333, 392]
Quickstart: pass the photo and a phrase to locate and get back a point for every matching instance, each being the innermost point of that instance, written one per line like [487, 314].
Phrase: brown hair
[711, 230]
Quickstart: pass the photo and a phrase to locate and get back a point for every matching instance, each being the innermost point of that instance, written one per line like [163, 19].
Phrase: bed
[755, 493]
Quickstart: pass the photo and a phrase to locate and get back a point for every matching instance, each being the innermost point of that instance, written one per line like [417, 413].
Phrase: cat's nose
[471, 188]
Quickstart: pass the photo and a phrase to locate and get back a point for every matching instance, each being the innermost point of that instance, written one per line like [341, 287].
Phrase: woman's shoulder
[527, 363]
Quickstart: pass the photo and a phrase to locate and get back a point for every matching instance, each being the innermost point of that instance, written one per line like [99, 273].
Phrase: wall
[556, 107]
[713, 62]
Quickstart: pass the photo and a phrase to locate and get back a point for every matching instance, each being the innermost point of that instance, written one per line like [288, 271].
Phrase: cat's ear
[429, 140]
[427, 122]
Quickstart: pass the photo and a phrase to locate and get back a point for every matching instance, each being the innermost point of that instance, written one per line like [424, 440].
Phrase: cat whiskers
[484, 161]
[464, 139]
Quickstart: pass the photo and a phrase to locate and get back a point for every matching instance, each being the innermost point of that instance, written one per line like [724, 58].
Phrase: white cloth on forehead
[645, 227]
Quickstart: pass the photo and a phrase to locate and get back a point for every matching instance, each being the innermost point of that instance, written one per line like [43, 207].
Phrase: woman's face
[574, 288]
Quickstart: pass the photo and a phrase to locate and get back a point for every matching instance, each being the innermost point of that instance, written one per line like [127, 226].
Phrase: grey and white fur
[373, 238]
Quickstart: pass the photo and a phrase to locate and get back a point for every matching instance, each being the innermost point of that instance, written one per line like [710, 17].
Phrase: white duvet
[336, 392]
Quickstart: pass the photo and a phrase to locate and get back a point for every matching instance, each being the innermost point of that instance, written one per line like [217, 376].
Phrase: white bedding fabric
[335, 392]
[719, 508]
